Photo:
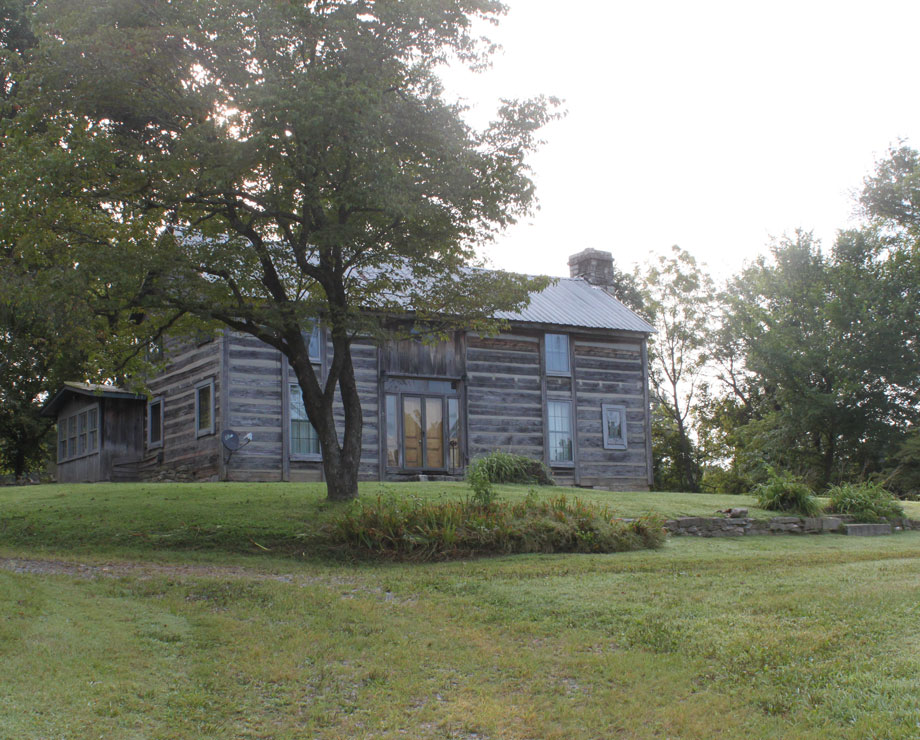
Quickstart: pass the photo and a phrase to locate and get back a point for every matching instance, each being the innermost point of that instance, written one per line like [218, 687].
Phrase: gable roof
[95, 390]
[575, 302]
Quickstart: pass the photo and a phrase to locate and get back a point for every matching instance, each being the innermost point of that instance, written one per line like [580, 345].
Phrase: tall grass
[504, 467]
[411, 529]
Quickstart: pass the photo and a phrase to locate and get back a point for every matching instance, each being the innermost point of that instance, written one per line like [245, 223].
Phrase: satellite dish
[230, 439]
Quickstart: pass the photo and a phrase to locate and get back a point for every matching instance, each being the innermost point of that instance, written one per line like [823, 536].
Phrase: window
[78, 434]
[315, 346]
[559, 426]
[304, 440]
[155, 423]
[81, 433]
[204, 408]
[72, 436]
[614, 427]
[93, 414]
[557, 354]
[453, 433]
[392, 431]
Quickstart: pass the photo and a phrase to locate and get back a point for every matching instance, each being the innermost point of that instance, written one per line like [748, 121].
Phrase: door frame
[445, 399]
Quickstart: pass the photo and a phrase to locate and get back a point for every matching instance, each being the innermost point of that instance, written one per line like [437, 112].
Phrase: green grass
[757, 637]
[244, 517]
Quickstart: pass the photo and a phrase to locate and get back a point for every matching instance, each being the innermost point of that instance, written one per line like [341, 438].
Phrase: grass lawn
[755, 637]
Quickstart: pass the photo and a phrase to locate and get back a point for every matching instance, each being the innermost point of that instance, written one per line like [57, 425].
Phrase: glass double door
[423, 432]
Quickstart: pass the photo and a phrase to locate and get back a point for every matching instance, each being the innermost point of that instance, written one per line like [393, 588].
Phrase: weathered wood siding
[504, 396]
[184, 454]
[610, 372]
[507, 391]
[258, 378]
[120, 438]
[86, 469]
[254, 377]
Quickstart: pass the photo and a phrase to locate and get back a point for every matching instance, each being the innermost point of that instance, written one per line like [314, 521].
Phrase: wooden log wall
[81, 469]
[504, 395]
[184, 454]
[507, 391]
[611, 372]
[258, 378]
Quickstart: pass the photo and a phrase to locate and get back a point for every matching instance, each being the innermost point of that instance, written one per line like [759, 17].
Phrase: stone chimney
[593, 265]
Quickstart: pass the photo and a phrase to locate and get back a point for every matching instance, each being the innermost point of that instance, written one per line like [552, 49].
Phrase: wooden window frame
[616, 443]
[209, 430]
[549, 432]
[567, 373]
[157, 401]
[66, 439]
[301, 456]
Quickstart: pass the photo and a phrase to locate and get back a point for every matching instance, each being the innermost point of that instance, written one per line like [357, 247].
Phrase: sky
[715, 126]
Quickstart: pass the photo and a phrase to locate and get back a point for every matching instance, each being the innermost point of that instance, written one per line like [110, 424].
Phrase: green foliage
[725, 480]
[903, 475]
[264, 175]
[412, 529]
[678, 300]
[784, 492]
[504, 467]
[866, 502]
[818, 356]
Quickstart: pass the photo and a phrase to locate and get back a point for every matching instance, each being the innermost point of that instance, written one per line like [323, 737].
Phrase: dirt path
[142, 570]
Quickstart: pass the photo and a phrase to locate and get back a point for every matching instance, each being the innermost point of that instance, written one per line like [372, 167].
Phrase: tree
[826, 353]
[267, 164]
[678, 298]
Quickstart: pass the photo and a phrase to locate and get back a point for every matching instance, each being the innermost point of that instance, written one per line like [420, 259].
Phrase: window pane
[392, 431]
[614, 427]
[81, 433]
[204, 408]
[453, 432]
[559, 418]
[93, 425]
[434, 433]
[155, 410]
[557, 353]
[315, 346]
[412, 431]
[304, 440]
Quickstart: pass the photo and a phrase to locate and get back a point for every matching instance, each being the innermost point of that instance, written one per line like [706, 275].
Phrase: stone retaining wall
[700, 526]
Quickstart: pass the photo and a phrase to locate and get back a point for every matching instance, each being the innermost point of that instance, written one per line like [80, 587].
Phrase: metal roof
[575, 302]
[97, 390]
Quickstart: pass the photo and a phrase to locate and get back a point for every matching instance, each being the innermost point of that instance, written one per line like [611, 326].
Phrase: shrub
[865, 502]
[503, 467]
[784, 492]
[410, 529]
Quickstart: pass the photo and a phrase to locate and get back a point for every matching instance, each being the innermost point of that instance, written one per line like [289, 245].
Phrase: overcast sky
[712, 125]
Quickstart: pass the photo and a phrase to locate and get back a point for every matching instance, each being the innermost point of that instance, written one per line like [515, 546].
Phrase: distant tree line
[807, 361]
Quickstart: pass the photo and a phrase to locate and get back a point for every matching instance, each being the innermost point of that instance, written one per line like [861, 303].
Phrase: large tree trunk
[340, 461]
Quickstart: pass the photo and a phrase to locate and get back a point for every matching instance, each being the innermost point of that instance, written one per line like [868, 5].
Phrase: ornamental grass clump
[504, 467]
[411, 529]
[865, 502]
[784, 492]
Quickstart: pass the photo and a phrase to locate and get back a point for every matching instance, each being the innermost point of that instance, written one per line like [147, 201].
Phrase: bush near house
[784, 492]
[412, 529]
[865, 502]
[504, 467]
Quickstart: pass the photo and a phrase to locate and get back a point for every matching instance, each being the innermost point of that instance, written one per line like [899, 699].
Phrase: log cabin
[566, 383]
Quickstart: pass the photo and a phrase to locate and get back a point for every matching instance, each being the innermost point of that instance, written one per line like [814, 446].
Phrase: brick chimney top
[593, 265]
